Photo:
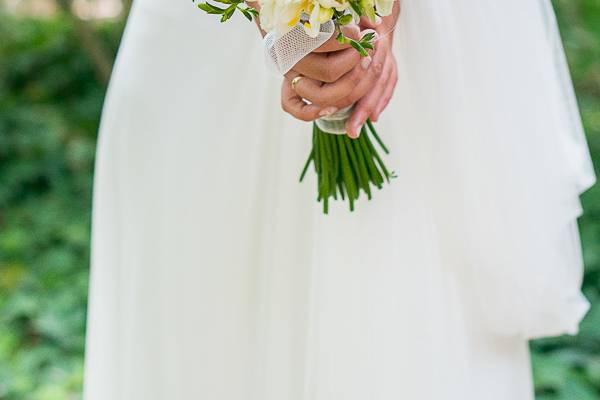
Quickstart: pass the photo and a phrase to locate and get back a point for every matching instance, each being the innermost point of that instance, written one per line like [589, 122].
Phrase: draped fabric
[504, 152]
[216, 276]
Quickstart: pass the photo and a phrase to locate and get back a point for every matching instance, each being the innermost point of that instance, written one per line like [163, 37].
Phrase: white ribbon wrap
[283, 52]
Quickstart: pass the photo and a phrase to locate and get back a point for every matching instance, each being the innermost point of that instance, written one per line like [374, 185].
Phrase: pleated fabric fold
[505, 153]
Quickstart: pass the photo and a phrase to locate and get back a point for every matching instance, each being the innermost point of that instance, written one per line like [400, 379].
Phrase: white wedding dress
[215, 275]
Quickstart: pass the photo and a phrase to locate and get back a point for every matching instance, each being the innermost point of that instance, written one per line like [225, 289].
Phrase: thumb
[351, 30]
[365, 22]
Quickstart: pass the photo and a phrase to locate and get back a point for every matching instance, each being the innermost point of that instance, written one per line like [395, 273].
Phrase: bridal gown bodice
[216, 276]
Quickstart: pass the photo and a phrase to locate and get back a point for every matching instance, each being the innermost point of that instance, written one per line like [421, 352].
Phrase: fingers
[328, 67]
[352, 31]
[331, 93]
[368, 80]
[387, 95]
[365, 22]
[375, 68]
[295, 106]
[367, 104]
[350, 87]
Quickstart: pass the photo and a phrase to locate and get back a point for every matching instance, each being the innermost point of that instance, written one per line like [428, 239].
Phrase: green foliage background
[50, 102]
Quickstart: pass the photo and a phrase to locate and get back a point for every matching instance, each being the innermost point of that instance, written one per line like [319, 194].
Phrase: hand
[333, 77]
[321, 70]
[331, 60]
[374, 102]
[328, 86]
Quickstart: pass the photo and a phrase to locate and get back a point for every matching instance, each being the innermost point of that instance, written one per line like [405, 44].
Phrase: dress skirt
[216, 276]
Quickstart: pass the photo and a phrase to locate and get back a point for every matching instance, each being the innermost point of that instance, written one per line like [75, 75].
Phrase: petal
[313, 27]
[384, 7]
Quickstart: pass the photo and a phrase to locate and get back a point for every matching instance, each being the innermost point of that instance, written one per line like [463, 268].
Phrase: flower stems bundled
[346, 166]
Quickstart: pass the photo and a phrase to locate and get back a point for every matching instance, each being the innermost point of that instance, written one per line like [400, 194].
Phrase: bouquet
[344, 166]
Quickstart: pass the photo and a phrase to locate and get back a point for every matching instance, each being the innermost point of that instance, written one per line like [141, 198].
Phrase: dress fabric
[216, 276]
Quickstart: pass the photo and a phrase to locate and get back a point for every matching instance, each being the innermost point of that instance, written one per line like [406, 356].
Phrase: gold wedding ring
[295, 81]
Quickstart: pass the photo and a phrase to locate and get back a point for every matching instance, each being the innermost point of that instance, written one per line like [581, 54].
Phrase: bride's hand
[331, 60]
[332, 77]
[371, 87]
[376, 100]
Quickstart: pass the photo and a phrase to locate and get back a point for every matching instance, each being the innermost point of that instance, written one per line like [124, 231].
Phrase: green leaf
[359, 48]
[367, 45]
[368, 37]
[228, 12]
[252, 11]
[210, 9]
[246, 13]
[341, 38]
[344, 20]
[357, 7]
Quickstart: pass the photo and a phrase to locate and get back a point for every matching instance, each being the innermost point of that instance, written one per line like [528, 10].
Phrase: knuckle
[356, 77]
[377, 67]
[385, 79]
[332, 95]
[367, 108]
[329, 75]
[354, 97]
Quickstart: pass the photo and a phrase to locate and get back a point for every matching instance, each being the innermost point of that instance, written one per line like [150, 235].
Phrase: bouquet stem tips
[345, 166]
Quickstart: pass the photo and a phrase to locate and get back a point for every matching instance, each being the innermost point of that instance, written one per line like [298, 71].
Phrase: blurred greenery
[50, 101]
[568, 368]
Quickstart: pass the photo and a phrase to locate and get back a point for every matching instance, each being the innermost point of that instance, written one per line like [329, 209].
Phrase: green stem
[310, 158]
[376, 136]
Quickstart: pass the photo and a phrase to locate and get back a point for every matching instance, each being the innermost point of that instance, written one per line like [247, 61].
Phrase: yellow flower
[338, 5]
[318, 15]
[281, 16]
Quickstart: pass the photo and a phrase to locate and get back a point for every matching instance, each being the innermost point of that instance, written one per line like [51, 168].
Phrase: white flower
[384, 7]
[319, 15]
[267, 14]
[280, 16]
[338, 5]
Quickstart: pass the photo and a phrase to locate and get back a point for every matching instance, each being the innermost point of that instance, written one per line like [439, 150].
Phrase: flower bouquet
[344, 166]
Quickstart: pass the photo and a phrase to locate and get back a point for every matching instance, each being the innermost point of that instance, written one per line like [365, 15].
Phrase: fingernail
[354, 130]
[375, 115]
[378, 20]
[327, 111]
[365, 62]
